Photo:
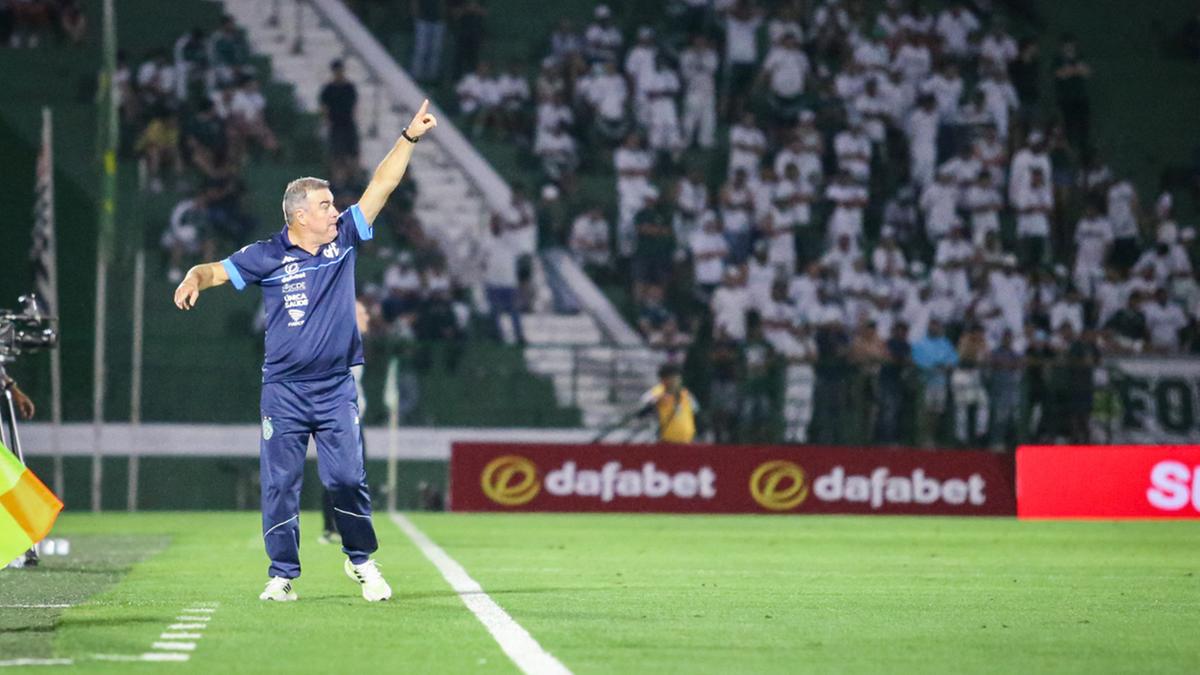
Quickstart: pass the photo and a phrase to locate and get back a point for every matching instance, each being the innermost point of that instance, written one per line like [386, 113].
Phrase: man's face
[319, 216]
[673, 383]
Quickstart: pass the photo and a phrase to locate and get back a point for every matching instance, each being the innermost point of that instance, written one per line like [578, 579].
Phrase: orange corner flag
[28, 508]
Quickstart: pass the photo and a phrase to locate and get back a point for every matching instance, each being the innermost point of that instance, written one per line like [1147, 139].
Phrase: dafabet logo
[778, 485]
[510, 480]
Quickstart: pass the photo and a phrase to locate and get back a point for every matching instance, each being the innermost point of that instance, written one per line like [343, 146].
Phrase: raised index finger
[424, 108]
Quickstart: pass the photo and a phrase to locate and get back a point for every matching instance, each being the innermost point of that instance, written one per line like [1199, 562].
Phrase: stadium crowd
[193, 115]
[33, 23]
[892, 208]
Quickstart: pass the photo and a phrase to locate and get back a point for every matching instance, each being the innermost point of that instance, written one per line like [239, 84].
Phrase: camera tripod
[12, 440]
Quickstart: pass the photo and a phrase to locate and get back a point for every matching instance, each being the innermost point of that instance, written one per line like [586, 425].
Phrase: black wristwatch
[410, 139]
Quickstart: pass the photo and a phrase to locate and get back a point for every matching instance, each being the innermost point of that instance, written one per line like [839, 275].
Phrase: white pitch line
[187, 626]
[180, 636]
[148, 656]
[34, 606]
[202, 610]
[18, 663]
[517, 643]
[193, 618]
[175, 646]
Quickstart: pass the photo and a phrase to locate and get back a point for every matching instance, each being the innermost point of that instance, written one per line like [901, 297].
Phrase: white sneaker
[374, 588]
[279, 589]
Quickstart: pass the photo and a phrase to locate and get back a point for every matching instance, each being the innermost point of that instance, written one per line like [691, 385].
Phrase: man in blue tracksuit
[306, 273]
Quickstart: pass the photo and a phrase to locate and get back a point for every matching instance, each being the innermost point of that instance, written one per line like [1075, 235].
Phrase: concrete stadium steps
[604, 382]
[447, 204]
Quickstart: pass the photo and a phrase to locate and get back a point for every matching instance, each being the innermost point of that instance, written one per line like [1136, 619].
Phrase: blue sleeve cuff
[234, 275]
[365, 231]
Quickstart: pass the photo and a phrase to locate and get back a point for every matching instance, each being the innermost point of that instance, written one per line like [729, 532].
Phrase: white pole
[391, 399]
[52, 278]
[98, 378]
[103, 244]
[135, 381]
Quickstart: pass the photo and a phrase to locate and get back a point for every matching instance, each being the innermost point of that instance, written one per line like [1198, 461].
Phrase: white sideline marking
[516, 642]
[169, 648]
[148, 656]
[34, 606]
[175, 646]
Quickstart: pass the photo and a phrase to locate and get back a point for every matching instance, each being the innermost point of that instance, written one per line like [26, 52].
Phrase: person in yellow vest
[674, 406]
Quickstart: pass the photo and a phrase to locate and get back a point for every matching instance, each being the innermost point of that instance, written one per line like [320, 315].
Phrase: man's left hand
[422, 122]
[24, 405]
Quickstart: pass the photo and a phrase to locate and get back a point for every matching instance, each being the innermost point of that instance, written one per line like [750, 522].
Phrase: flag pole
[107, 137]
[49, 286]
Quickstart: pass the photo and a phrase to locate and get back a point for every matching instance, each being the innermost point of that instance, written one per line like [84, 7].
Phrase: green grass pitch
[632, 594]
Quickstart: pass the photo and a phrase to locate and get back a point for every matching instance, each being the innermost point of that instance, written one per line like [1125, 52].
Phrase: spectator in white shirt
[247, 115]
[1164, 320]
[919, 21]
[912, 60]
[939, 204]
[660, 88]
[589, 240]
[922, 130]
[737, 211]
[729, 305]
[1033, 203]
[479, 98]
[709, 250]
[515, 96]
[1000, 98]
[786, 21]
[946, 87]
[633, 166]
[992, 153]
[747, 145]
[640, 60]
[983, 201]
[741, 53]
[806, 160]
[874, 109]
[607, 93]
[1123, 211]
[853, 149]
[560, 157]
[784, 71]
[565, 41]
[998, 48]
[1093, 236]
[1068, 310]
[887, 259]
[698, 66]
[1032, 156]
[552, 113]
[602, 40]
[500, 282]
[690, 199]
[849, 198]
[955, 27]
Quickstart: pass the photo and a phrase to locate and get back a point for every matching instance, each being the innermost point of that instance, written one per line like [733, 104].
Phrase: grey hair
[296, 193]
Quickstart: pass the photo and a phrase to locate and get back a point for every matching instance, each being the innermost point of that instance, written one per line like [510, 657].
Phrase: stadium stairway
[446, 196]
[603, 381]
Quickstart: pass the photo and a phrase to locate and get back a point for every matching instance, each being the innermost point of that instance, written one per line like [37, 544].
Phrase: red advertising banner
[727, 479]
[1108, 481]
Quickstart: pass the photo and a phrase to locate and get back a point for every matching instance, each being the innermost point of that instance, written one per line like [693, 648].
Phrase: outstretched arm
[199, 278]
[391, 169]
